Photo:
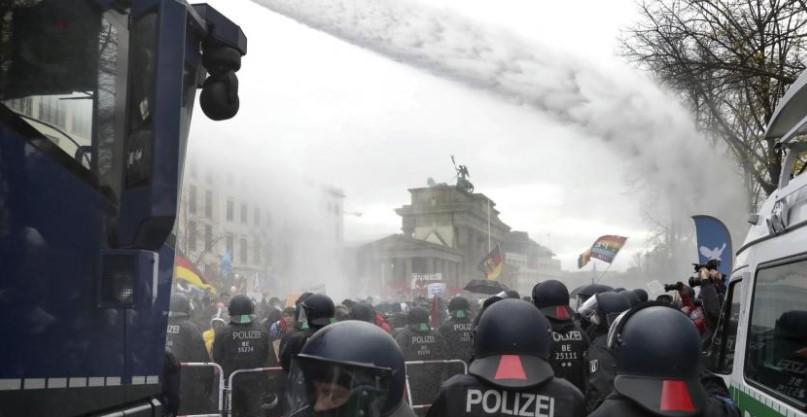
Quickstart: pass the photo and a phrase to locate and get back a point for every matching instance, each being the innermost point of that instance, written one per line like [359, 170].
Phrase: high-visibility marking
[561, 313]
[675, 396]
[33, 383]
[57, 382]
[510, 368]
[77, 382]
[10, 384]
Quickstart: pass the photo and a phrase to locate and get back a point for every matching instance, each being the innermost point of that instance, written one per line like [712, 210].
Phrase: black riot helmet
[657, 353]
[512, 343]
[418, 319]
[610, 304]
[552, 298]
[362, 312]
[317, 310]
[459, 307]
[241, 309]
[642, 294]
[632, 297]
[180, 305]
[350, 368]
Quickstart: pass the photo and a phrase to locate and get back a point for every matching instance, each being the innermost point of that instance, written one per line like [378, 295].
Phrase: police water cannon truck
[760, 346]
[96, 98]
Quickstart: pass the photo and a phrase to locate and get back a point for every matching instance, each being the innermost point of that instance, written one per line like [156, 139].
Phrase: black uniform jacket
[467, 395]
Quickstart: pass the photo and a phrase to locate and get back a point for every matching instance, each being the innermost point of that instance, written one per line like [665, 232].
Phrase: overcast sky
[316, 106]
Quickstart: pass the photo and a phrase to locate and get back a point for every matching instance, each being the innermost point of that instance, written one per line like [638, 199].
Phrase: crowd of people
[616, 354]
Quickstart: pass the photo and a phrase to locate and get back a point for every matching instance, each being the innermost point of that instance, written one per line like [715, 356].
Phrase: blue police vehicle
[96, 99]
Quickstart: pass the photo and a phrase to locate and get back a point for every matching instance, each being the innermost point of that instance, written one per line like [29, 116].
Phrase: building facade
[446, 232]
[527, 262]
[226, 218]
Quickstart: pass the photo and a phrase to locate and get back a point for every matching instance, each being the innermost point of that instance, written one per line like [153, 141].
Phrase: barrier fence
[260, 391]
[196, 388]
[429, 378]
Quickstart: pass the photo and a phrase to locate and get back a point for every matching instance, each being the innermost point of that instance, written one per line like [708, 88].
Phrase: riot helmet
[362, 312]
[317, 311]
[657, 354]
[609, 305]
[180, 305]
[241, 309]
[459, 307]
[418, 319]
[512, 344]
[552, 298]
[350, 368]
[632, 297]
[643, 297]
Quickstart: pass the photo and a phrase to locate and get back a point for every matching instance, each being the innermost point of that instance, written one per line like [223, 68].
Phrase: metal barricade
[278, 381]
[444, 376]
[218, 374]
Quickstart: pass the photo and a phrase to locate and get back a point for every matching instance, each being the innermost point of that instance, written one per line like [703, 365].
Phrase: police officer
[569, 342]
[316, 312]
[244, 344]
[657, 352]
[184, 341]
[419, 342]
[601, 366]
[457, 331]
[511, 374]
[348, 369]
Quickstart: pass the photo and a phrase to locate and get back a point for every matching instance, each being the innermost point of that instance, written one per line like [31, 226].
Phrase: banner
[714, 242]
[604, 248]
[493, 264]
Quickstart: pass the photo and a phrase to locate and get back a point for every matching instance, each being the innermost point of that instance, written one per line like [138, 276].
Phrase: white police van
[761, 344]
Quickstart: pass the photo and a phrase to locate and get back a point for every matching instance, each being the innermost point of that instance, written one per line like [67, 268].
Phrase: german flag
[493, 264]
[186, 271]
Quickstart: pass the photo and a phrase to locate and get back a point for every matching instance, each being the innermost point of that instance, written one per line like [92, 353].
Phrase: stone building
[446, 232]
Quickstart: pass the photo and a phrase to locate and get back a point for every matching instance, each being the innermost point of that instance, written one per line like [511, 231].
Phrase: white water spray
[645, 125]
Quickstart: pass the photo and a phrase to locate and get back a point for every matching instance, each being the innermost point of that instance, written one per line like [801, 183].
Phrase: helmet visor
[317, 387]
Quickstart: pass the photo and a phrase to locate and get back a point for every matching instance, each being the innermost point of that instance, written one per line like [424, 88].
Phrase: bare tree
[731, 60]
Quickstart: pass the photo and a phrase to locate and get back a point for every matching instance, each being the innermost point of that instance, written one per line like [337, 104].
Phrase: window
[243, 213]
[191, 235]
[230, 208]
[257, 216]
[257, 251]
[209, 204]
[776, 359]
[721, 353]
[230, 244]
[243, 250]
[192, 199]
[208, 237]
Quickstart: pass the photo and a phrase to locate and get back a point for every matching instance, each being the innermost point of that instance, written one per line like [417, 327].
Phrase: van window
[777, 338]
[721, 353]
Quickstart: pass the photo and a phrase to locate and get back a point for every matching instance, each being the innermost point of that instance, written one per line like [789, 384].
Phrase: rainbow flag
[604, 248]
[493, 264]
[186, 271]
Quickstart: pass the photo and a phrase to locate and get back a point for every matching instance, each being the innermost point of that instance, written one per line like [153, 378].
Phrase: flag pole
[488, 225]
[604, 272]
